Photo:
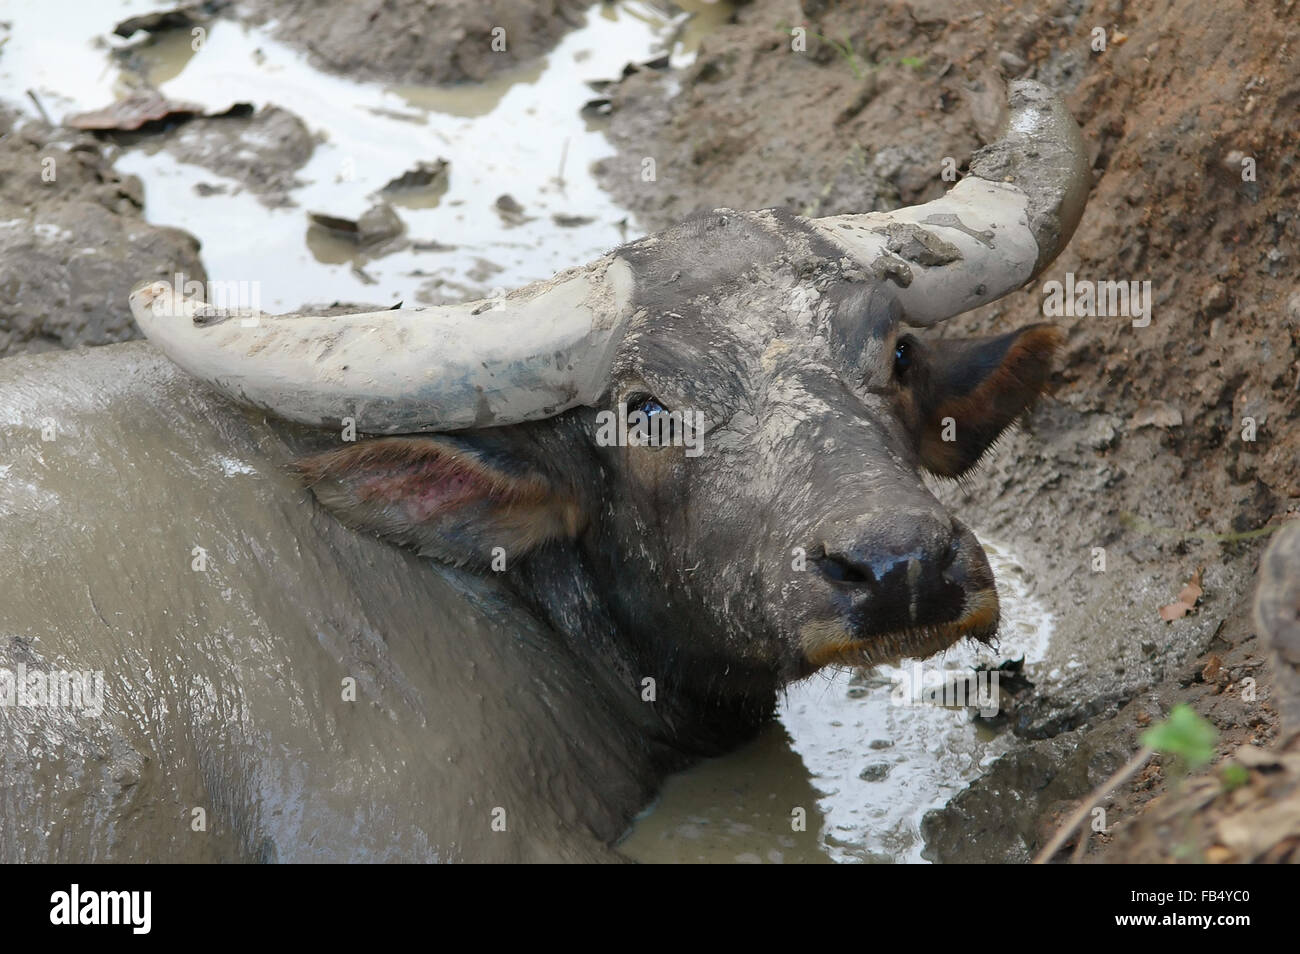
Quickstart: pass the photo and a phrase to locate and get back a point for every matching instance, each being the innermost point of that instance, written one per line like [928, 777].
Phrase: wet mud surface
[1139, 451]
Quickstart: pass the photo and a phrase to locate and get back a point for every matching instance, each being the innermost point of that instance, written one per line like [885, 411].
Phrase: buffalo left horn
[994, 230]
[534, 353]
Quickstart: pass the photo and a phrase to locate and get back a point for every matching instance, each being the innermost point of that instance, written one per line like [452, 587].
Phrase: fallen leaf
[1211, 669]
[423, 174]
[144, 107]
[1188, 597]
[1192, 592]
[179, 18]
[1219, 855]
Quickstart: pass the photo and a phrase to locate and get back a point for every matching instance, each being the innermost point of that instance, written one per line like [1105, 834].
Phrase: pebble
[875, 772]
[1216, 299]
[1012, 62]
[1293, 310]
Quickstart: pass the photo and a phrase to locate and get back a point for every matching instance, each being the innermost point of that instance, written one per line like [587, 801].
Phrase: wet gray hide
[225, 685]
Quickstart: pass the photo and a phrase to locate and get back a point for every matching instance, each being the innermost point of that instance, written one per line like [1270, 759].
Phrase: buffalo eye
[657, 422]
[647, 405]
[904, 354]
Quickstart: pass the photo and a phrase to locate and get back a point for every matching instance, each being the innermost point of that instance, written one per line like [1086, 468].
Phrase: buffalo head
[780, 523]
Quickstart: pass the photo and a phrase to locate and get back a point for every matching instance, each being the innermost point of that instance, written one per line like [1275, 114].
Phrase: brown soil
[1141, 448]
[74, 242]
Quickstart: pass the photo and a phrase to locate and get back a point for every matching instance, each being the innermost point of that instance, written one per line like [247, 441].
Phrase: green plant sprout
[1185, 735]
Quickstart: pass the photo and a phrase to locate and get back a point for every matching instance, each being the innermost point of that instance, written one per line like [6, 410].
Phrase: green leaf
[1185, 735]
[1234, 776]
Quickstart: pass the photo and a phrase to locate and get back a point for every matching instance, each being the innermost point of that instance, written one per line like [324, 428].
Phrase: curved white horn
[539, 351]
[995, 230]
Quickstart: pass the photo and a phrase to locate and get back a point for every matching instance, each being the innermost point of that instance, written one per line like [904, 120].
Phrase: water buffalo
[578, 609]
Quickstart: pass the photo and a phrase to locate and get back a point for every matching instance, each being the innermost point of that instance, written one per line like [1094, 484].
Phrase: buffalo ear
[441, 496]
[975, 388]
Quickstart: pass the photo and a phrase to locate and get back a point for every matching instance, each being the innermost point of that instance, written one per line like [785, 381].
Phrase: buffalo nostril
[843, 570]
[951, 554]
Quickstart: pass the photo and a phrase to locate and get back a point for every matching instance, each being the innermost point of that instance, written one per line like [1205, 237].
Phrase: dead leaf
[1219, 855]
[423, 174]
[179, 18]
[1211, 669]
[1188, 597]
[144, 107]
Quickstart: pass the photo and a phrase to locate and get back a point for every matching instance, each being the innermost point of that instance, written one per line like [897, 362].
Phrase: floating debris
[145, 108]
[424, 174]
[571, 221]
[177, 18]
[377, 224]
[511, 212]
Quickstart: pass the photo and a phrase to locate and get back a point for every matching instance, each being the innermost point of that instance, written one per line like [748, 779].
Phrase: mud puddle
[520, 134]
[864, 758]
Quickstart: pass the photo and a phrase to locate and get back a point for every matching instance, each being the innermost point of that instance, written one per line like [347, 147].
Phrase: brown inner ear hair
[419, 457]
[522, 511]
[986, 410]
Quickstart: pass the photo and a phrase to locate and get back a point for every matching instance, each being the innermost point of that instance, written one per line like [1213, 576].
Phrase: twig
[31, 93]
[1081, 813]
[1132, 521]
[564, 155]
[1080, 846]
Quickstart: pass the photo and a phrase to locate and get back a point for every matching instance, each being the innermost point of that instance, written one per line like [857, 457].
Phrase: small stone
[1012, 62]
[378, 224]
[1216, 299]
[1293, 310]
[509, 204]
[881, 744]
[1101, 433]
[511, 212]
[875, 772]
[1157, 414]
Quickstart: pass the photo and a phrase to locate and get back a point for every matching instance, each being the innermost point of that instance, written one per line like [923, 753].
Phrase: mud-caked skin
[569, 613]
[227, 623]
[800, 535]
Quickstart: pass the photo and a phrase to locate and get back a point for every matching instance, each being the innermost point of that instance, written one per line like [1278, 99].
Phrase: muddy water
[520, 133]
[861, 767]
[864, 758]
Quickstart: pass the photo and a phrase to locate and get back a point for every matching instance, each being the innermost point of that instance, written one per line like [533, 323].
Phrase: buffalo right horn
[994, 230]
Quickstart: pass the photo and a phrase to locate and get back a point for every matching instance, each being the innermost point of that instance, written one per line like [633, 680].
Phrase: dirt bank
[418, 41]
[73, 241]
[1146, 448]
